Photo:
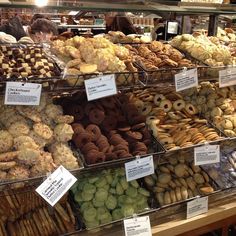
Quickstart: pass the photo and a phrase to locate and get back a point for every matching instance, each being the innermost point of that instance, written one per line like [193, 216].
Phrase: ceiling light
[41, 3]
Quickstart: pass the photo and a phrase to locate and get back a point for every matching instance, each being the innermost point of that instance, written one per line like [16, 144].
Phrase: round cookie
[6, 141]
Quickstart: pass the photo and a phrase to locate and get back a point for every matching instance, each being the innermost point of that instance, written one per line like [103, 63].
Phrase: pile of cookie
[103, 132]
[157, 55]
[22, 61]
[34, 140]
[173, 120]
[178, 180]
[215, 104]
[26, 213]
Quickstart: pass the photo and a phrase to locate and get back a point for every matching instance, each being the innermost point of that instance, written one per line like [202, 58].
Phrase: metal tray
[37, 180]
[76, 208]
[158, 206]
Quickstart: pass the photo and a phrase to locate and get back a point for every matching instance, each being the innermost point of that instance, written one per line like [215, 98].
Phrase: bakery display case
[95, 139]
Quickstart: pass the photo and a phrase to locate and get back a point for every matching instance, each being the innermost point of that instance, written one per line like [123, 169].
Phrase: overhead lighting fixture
[41, 3]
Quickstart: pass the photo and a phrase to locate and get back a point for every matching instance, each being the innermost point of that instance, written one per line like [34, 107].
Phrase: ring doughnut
[166, 105]
[108, 102]
[179, 105]
[78, 128]
[94, 130]
[94, 157]
[139, 105]
[109, 123]
[158, 98]
[152, 120]
[146, 109]
[76, 111]
[96, 116]
[88, 147]
[89, 107]
[81, 139]
[191, 109]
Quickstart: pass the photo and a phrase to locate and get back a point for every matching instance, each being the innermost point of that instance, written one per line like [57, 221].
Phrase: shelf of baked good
[163, 221]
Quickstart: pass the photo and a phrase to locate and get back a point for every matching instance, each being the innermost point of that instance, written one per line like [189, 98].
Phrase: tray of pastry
[178, 181]
[20, 61]
[108, 130]
[34, 141]
[26, 213]
[174, 122]
[215, 104]
[105, 197]
[223, 173]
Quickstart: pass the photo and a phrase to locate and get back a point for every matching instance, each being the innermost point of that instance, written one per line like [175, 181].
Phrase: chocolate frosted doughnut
[121, 147]
[122, 154]
[94, 157]
[109, 123]
[88, 147]
[111, 156]
[81, 139]
[76, 111]
[89, 107]
[134, 134]
[94, 130]
[108, 102]
[78, 128]
[96, 116]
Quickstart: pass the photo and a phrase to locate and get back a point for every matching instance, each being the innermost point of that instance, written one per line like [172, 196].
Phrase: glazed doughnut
[88, 147]
[109, 123]
[158, 98]
[166, 105]
[179, 105]
[146, 109]
[94, 157]
[191, 109]
[96, 116]
[81, 139]
[94, 130]
[173, 115]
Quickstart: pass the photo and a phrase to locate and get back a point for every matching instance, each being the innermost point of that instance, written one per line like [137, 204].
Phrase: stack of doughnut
[173, 120]
[108, 129]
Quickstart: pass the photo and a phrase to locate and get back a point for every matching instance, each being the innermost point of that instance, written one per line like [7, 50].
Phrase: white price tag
[172, 27]
[19, 93]
[207, 154]
[139, 168]
[138, 226]
[186, 80]
[197, 207]
[56, 185]
[101, 86]
[227, 77]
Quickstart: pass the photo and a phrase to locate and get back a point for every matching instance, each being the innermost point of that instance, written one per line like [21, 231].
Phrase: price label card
[19, 93]
[139, 168]
[172, 27]
[101, 86]
[207, 154]
[227, 77]
[186, 80]
[197, 207]
[138, 226]
[56, 185]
